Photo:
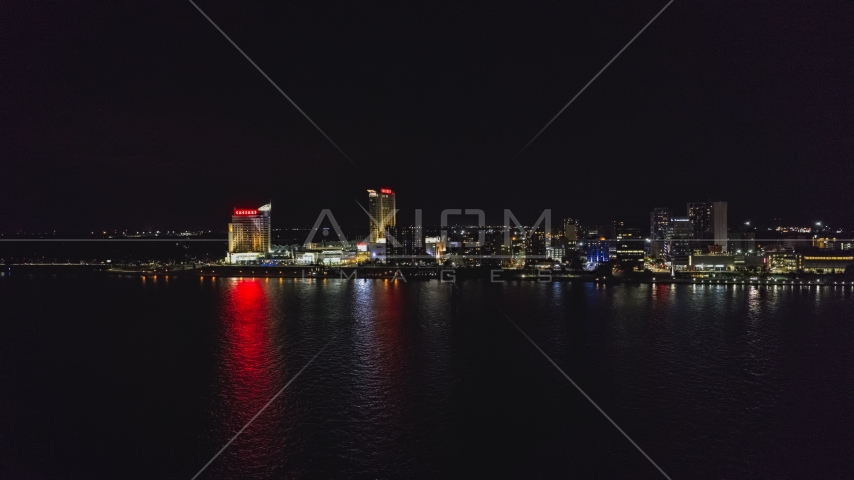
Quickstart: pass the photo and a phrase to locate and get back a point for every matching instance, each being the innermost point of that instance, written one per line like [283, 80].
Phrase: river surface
[126, 377]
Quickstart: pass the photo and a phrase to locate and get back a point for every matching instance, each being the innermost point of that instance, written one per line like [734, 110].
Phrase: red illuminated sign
[242, 211]
[387, 191]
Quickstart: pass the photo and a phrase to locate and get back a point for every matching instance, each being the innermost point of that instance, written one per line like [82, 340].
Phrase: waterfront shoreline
[405, 274]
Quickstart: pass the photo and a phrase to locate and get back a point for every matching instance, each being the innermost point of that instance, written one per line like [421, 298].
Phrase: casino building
[249, 235]
[382, 209]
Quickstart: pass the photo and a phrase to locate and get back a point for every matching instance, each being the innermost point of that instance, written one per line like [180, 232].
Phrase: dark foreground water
[133, 378]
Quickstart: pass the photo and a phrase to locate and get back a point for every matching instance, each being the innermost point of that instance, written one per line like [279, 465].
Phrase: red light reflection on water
[249, 367]
[390, 333]
[246, 326]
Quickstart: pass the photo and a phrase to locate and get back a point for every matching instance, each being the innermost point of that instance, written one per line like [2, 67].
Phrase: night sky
[144, 116]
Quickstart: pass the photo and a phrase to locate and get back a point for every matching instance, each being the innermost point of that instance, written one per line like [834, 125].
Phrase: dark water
[132, 378]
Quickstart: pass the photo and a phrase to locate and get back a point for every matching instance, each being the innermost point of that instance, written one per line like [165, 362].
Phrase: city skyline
[347, 215]
[510, 240]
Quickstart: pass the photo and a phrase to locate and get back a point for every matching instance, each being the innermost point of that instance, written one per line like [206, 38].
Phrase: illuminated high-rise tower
[249, 234]
[659, 223]
[382, 209]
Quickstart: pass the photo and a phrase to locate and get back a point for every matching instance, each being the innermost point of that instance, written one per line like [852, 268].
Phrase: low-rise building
[726, 263]
[830, 262]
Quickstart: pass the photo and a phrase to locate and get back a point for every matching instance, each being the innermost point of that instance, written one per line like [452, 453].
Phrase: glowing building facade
[249, 234]
[381, 206]
[628, 248]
